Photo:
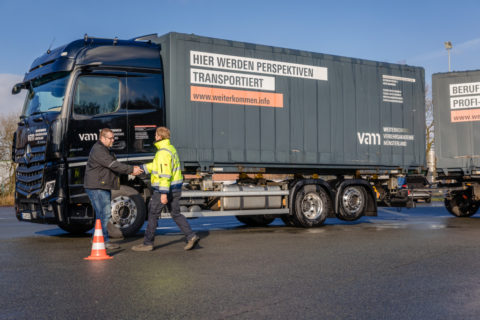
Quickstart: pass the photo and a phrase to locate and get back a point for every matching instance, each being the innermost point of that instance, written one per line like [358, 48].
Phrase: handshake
[136, 171]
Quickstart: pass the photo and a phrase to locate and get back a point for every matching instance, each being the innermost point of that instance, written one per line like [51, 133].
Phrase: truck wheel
[312, 205]
[128, 211]
[461, 205]
[256, 221]
[78, 228]
[352, 203]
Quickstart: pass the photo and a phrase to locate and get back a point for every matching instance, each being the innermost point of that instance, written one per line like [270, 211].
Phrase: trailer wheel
[128, 211]
[461, 205]
[256, 221]
[352, 203]
[312, 205]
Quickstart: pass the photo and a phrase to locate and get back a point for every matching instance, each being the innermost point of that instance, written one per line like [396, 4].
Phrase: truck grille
[31, 164]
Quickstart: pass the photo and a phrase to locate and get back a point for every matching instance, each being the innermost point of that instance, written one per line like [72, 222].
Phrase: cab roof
[98, 51]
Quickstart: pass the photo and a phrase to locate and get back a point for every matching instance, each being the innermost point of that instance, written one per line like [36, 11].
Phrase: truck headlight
[48, 190]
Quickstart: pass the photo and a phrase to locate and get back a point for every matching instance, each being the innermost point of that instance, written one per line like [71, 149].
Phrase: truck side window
[96, 95]
[145, 92]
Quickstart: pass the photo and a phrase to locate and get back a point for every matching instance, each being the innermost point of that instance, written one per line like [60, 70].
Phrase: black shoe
[191, 243]
[111, 246]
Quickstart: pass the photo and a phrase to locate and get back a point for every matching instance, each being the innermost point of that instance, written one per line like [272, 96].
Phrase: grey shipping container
[456, 101]
[234, 105]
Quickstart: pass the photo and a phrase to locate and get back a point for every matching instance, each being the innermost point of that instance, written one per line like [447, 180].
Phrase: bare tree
[8, 126]
[430, 125]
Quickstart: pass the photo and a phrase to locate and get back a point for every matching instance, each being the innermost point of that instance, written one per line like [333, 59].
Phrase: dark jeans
[155, 207]
[100, 200]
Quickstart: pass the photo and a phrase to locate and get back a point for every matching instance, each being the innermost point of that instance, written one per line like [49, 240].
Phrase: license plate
[26, 216]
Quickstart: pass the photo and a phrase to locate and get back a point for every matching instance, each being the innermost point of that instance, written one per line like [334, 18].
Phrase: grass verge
[7, 200]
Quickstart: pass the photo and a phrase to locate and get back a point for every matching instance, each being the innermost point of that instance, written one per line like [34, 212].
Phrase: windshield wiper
[37, 112]
[42, 118]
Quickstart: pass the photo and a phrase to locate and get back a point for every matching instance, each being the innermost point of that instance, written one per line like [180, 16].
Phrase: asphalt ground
[404, 264]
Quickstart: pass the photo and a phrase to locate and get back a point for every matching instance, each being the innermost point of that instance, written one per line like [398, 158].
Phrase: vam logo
[369, 138]
[88, 136]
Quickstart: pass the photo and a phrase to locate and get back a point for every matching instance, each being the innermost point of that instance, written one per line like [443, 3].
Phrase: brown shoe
[191, 243]
[143, 247]
[111, 246]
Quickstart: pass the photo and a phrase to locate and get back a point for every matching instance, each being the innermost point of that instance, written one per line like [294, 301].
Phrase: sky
[406, 32]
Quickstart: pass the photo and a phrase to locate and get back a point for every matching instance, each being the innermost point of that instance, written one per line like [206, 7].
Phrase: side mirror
[18, 87]
[13, 145]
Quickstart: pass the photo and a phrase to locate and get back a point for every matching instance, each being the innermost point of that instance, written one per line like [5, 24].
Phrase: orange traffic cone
[98, 245]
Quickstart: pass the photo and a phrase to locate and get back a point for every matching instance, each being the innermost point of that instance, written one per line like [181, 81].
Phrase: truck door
[146, 111]
[98, 102]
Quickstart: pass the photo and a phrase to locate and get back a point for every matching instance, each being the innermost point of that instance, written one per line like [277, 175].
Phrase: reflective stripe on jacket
[165, 171]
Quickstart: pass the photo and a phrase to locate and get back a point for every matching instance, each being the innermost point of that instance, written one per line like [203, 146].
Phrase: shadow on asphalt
[204, 226]
[62, 234]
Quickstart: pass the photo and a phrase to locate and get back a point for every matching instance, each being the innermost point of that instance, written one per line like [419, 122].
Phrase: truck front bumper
[34, 210]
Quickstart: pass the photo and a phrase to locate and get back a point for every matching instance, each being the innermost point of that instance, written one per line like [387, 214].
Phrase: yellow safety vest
[166, 175]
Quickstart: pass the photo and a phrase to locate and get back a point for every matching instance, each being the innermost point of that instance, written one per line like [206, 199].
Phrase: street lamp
[448, 46]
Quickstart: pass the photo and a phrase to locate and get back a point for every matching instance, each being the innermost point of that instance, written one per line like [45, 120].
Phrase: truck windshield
[46, 94]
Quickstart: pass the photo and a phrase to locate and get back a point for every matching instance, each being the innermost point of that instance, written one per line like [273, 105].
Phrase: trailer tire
[256, 221]
[353, 201]
[461, 205]
[312, 205]
[128, 211]
[78, 228]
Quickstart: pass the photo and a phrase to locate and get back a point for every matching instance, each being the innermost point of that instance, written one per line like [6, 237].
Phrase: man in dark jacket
[101, 176]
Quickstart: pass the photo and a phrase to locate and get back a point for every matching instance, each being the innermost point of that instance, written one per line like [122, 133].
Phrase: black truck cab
[73, 92]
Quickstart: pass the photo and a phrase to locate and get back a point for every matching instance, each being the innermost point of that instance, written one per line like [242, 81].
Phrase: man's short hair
[163, 133]
[105, 131]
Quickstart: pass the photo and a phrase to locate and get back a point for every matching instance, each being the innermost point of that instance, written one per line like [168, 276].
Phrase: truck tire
[128, 211]
[77, 229]
[256, 221]
[461, 205]
[312, 205]
[288, 220]
[353, 201]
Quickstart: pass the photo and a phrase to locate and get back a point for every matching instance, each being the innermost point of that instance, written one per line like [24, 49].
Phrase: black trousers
[155, 208]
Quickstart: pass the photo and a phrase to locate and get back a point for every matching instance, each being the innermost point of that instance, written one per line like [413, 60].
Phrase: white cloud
[458, 49]
[10, 103]
[467, 45]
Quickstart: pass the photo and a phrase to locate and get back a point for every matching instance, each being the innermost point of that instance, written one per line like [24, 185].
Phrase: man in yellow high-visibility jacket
[166, 179]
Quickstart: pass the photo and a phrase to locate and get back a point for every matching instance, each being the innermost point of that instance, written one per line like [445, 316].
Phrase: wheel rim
[353, 200]
[124, 212]
[312, 206]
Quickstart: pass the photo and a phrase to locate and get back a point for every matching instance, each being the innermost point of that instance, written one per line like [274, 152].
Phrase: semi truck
[456, 100]
[306, 135]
